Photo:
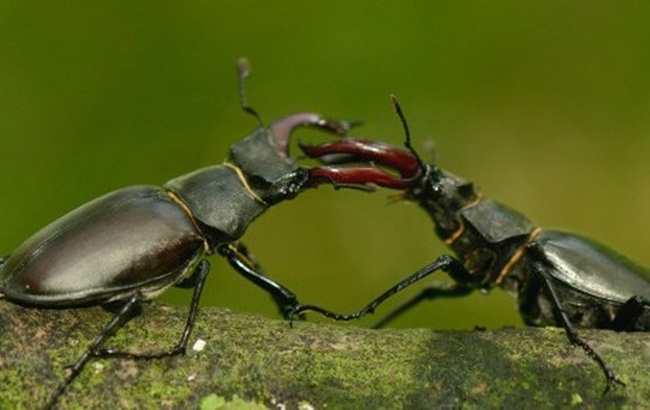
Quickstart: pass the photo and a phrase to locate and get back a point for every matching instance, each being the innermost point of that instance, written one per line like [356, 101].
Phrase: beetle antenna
[407, 142]
[244, 71]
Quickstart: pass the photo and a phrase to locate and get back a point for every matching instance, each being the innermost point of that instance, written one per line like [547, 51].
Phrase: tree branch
[257, 361]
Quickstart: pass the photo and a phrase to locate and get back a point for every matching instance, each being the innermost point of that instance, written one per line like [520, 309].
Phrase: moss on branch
[253, 361]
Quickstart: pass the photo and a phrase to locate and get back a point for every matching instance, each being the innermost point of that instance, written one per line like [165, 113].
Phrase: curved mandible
[357, 150]
[281, 129]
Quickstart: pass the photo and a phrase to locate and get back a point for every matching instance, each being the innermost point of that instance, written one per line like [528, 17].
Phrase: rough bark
[251, 361]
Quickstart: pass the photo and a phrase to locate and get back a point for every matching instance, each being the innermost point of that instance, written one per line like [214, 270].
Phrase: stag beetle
[558, 278]
[130, 245]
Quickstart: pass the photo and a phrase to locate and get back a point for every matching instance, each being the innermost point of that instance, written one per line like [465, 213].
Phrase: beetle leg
[198, 277]
[540, 270]
[428, 293]
[281, 129]
[195, 280]
[629, 313]
[120, 319]
[350, 150]
[444, 263]
[241, 261]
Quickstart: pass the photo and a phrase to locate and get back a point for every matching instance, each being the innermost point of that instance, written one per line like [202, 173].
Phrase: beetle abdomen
[133, 238]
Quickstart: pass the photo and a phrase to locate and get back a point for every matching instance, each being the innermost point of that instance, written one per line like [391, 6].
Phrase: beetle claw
[357, 150]
[281, 129]
[362, 177]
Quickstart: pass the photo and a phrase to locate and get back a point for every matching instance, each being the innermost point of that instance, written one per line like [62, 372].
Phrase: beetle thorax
[484, 234]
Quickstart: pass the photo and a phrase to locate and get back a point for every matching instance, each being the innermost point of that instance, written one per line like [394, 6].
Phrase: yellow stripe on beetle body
[459, 232]
[516, 257]
[513, 260]
[244, 182]
[189, 213]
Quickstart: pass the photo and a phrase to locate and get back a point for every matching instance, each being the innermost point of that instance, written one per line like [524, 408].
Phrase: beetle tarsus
[301, 309]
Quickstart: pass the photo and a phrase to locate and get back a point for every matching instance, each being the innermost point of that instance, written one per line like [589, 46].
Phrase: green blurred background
[545, 105]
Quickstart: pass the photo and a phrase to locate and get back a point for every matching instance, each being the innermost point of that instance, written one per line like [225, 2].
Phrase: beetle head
[263, 157]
